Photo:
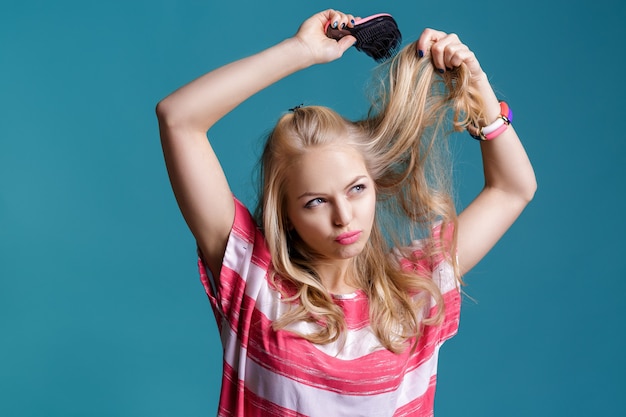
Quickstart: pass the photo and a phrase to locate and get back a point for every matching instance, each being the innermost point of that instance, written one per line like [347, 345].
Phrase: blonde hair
[400, 141]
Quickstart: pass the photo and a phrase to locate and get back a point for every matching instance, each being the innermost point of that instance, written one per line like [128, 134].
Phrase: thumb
[346, 42]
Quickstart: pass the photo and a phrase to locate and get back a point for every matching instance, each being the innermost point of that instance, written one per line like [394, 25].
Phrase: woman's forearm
[506, 164]
[198, 105]
[202, 102]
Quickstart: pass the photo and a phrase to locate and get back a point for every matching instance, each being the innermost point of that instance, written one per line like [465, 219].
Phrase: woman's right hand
[199, 183]
[312, 35]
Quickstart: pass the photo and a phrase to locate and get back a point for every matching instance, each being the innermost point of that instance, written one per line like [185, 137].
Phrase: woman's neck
[338, 277]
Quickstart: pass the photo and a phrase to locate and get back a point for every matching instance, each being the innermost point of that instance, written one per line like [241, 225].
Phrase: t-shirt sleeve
[246, 261]
[442, 272]
[443, 275]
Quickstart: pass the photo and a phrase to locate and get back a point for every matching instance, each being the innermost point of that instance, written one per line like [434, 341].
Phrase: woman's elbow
[164, 112]
[527, 193]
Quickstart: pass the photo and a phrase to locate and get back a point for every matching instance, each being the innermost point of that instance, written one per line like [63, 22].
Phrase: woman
[324, 309]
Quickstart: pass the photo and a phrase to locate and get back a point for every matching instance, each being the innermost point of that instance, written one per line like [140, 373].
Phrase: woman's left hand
[447, 52]
[509, 178]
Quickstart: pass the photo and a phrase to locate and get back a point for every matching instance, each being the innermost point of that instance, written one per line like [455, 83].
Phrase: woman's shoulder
[247, 238]
[433, 248]
[430, 256]
[244, 224]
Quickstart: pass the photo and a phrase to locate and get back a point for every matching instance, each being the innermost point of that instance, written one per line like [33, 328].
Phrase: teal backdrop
[101, 309]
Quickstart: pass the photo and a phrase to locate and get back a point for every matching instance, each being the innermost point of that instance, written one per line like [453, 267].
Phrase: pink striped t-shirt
[277, 373]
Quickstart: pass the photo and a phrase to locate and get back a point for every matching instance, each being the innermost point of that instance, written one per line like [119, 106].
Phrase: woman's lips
[348, 238]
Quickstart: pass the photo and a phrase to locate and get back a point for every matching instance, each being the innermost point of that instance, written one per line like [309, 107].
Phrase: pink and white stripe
[277, 373]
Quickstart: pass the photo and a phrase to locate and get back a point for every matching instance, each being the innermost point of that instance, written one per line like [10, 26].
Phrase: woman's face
[331, 201]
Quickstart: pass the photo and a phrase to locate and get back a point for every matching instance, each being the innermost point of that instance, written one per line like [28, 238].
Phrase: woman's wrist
[299, 52]
[491, 104]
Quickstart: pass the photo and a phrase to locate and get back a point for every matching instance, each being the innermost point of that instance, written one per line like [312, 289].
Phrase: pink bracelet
[497, 124]
[494, 129]
[496, 132]
[506, 111]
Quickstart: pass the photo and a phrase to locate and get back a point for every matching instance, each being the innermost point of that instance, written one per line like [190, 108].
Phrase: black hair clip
[293, 109]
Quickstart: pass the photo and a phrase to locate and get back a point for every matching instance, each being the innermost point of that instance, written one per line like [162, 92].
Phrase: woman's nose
[343, 213]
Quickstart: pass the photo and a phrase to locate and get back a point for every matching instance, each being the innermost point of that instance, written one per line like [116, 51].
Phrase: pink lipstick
[348, 238]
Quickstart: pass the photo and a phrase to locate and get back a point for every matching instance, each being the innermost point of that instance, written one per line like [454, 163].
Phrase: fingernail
[352, 21]
[420, 53]
[441, 70]
[335, 24]
[343, 25]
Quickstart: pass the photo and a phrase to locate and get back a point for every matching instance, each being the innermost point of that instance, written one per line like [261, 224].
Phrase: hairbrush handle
[336, 33]
[377, 35]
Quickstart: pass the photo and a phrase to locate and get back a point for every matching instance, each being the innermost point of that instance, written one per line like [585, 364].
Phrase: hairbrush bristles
[378, 36]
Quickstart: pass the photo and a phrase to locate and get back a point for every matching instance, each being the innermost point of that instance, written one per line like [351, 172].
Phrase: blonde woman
[335, 299]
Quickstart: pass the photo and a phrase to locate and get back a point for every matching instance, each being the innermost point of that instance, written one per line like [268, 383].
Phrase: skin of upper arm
[201, 190]
[484, 222]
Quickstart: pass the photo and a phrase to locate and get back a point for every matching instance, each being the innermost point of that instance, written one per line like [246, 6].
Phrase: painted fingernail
[335, 24]
[343, 25]
[352, 21]
[441, 70]
[420, 53]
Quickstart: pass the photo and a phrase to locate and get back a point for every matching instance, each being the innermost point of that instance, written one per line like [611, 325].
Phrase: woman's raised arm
[509, 177]
[185, 116]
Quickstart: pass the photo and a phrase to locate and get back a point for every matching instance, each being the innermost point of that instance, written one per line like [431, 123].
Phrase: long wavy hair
[402, 141]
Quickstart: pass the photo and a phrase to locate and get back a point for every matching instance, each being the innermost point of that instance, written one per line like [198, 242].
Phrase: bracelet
[494, 129]
[496, 133]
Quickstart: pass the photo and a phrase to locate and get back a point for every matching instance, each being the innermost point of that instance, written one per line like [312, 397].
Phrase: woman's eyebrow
[309, 194]
[350, 184]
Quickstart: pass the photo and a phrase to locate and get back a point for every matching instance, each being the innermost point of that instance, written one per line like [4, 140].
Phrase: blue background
[101, 309]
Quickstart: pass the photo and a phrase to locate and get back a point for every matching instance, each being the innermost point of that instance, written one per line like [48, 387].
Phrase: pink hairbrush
[377, 35]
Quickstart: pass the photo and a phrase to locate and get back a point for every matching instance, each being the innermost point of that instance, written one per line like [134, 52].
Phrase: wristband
[494, 129]
[496, 133]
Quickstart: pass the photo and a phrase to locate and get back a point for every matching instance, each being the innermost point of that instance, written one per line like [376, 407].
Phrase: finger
[443, 52]
[427, 39]
[462, 55]
[446, 51]
[454, 54]
[339, 20]
[352, 20]
[346, 42]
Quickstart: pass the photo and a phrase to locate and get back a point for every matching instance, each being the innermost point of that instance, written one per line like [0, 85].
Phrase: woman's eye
[315, 202]
[358, 188]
